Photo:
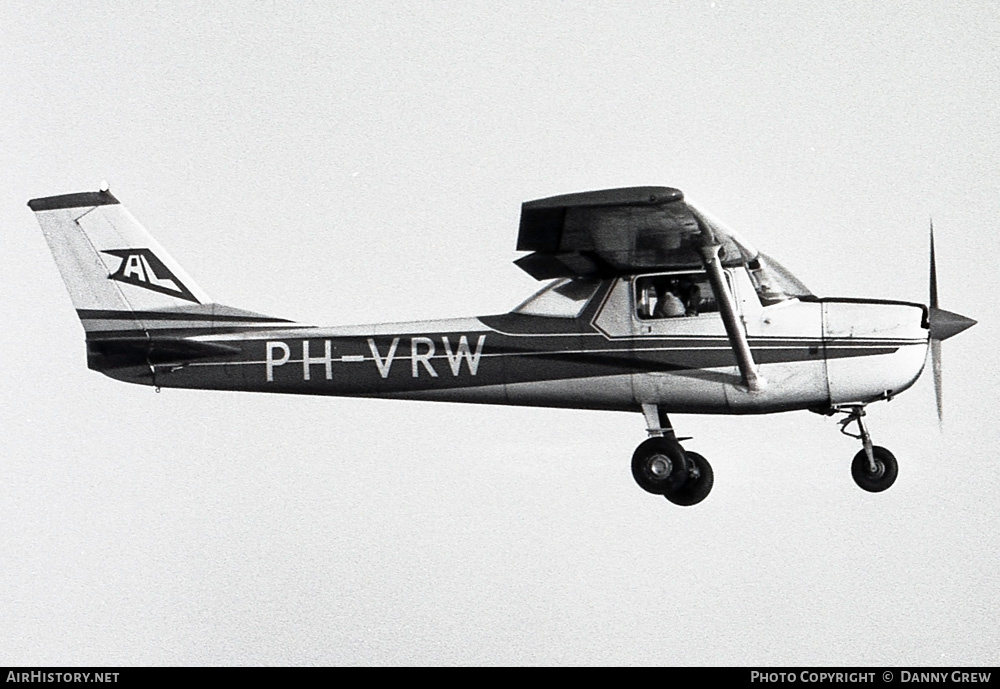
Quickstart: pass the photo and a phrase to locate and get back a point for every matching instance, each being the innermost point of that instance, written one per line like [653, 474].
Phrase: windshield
[563, 298]
[773, 282]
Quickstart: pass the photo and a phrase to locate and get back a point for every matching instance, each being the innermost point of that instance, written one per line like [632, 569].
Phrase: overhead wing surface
[616, 232]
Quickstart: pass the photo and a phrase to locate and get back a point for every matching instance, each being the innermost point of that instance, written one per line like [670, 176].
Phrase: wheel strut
[857, 413]
[874, 468]
[657, 423]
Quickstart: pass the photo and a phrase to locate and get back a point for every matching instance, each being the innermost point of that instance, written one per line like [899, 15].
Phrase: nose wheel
[874, 468]
[662, 467]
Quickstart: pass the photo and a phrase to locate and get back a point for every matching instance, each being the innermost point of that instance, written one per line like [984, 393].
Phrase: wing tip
[620, 196]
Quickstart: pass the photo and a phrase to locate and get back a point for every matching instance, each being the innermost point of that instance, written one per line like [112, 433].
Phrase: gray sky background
[362, 162]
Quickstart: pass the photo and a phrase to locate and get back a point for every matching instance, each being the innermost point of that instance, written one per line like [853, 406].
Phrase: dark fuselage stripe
[174, 316]
[356, 371]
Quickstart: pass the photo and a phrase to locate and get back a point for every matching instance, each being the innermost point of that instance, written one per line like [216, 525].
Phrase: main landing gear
[874, 468]
[662, 467]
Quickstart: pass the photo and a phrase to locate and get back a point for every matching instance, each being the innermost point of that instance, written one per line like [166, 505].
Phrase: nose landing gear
[874, 468]
[662, 467]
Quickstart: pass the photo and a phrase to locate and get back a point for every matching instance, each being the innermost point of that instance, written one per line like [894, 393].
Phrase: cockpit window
[563, 298]
[773, 282]
[670, 295]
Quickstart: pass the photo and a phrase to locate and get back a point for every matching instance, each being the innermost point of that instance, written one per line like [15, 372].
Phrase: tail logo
[141, 267]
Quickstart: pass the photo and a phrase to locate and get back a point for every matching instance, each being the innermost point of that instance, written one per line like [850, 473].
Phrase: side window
[564, 298]
[673, 295]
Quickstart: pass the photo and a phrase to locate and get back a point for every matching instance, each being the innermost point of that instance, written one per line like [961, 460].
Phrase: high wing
[619, 232]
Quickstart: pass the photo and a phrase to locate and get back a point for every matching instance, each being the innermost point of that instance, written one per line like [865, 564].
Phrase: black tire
[884, 477]
[659, 465]
[699, 483]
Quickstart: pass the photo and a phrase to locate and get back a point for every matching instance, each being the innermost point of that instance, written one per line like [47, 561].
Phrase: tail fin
[136, 303]
[112, 267]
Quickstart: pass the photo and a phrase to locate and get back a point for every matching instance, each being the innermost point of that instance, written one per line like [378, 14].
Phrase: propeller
[943, 324]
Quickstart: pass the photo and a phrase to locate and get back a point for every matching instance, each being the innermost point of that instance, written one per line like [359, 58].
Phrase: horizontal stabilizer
[125, 352]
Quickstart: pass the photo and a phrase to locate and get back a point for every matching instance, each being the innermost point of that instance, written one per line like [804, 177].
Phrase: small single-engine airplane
[653, 306]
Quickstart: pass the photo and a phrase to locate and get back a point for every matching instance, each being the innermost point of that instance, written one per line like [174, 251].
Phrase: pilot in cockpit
[668, 301]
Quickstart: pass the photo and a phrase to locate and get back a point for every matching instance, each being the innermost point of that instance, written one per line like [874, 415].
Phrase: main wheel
[698, 484]
[886, 470]
[658, 465]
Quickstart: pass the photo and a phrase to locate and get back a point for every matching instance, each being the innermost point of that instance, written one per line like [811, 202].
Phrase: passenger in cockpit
[690, 293]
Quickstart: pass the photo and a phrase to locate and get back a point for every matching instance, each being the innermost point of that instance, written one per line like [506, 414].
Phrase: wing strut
[727, 308]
